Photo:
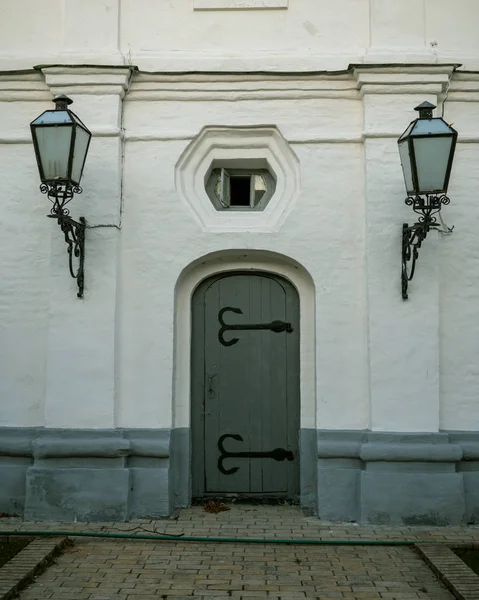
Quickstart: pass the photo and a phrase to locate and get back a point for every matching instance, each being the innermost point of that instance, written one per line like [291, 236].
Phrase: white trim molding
[216, 144]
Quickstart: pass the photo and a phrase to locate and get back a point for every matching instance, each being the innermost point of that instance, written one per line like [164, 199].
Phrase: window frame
[220, 177]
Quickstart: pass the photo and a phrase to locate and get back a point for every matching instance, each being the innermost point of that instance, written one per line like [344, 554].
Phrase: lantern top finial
[425, 110]
[62, 102]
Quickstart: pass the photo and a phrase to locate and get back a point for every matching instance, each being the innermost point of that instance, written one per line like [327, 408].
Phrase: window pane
[258, 188]
[222, 188]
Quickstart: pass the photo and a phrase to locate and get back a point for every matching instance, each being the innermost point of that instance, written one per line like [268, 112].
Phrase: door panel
[246, 390]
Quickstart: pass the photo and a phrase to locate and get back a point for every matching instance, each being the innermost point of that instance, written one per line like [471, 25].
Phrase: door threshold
[249, 499]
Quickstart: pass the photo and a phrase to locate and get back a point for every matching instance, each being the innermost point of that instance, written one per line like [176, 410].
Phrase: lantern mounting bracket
[60, 194]
[427, 206]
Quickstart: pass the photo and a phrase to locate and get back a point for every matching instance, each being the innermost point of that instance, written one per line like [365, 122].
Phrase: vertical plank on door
[254, 340]
[274, 405]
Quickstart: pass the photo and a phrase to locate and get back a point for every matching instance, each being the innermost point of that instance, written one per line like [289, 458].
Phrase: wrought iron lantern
[61, 144]
[426, 150]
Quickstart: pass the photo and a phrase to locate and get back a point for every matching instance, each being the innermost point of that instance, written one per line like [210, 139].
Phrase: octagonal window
[238, 178]
[240, 189]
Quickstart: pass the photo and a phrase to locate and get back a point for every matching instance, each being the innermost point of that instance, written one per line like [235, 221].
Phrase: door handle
[211, 390]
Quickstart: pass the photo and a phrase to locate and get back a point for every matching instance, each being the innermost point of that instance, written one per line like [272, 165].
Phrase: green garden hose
[189, 538]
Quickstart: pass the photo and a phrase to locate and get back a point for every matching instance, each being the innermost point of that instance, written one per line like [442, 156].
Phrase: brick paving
[98, 569]
[102, 570]
[261, 522]
[452, 571]
[22, 567]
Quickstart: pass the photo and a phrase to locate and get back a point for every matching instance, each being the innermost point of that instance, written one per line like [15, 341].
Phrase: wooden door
[245, 386]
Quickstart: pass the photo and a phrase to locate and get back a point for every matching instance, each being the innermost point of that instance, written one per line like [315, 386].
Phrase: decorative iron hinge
[276, 326]
[278, 454]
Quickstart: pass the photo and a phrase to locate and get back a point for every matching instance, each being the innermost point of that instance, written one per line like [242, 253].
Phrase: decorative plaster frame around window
[215, 144]
[238, 4]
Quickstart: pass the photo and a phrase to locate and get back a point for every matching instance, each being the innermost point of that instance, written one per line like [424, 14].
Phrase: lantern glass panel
[407, 132]
[406, 165]
[432, 160]
[82, 139]
[54, 143]
[53, 117]
[431, 126]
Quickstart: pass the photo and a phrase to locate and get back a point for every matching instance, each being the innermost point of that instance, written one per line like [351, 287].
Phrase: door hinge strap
[275, 326]
[278, 454]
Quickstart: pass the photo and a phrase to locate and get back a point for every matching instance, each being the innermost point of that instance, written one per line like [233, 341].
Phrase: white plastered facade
[321, 91]
[343, 230]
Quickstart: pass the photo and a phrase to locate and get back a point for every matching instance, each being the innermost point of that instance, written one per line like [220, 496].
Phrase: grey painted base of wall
[95, 475]
[398, 478]
[108, 475]
[116, 475]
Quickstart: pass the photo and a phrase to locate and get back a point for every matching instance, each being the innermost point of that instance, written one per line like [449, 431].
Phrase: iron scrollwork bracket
[413, 235]
[59, 195]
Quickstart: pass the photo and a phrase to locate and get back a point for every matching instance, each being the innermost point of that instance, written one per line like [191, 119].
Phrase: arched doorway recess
[191, 278]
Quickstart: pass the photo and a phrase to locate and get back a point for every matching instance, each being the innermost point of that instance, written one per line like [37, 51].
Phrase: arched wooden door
[245, 386]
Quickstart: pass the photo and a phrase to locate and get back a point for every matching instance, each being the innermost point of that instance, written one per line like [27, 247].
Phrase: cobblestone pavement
[100, 569]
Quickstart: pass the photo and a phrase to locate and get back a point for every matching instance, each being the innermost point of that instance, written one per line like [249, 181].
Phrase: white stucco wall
[25, 274]
[373, 361]
[325, 216]
[299, 35]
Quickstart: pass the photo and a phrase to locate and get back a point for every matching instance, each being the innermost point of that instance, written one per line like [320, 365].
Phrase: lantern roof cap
[62, 102]
[424, 105]
[425, 110]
